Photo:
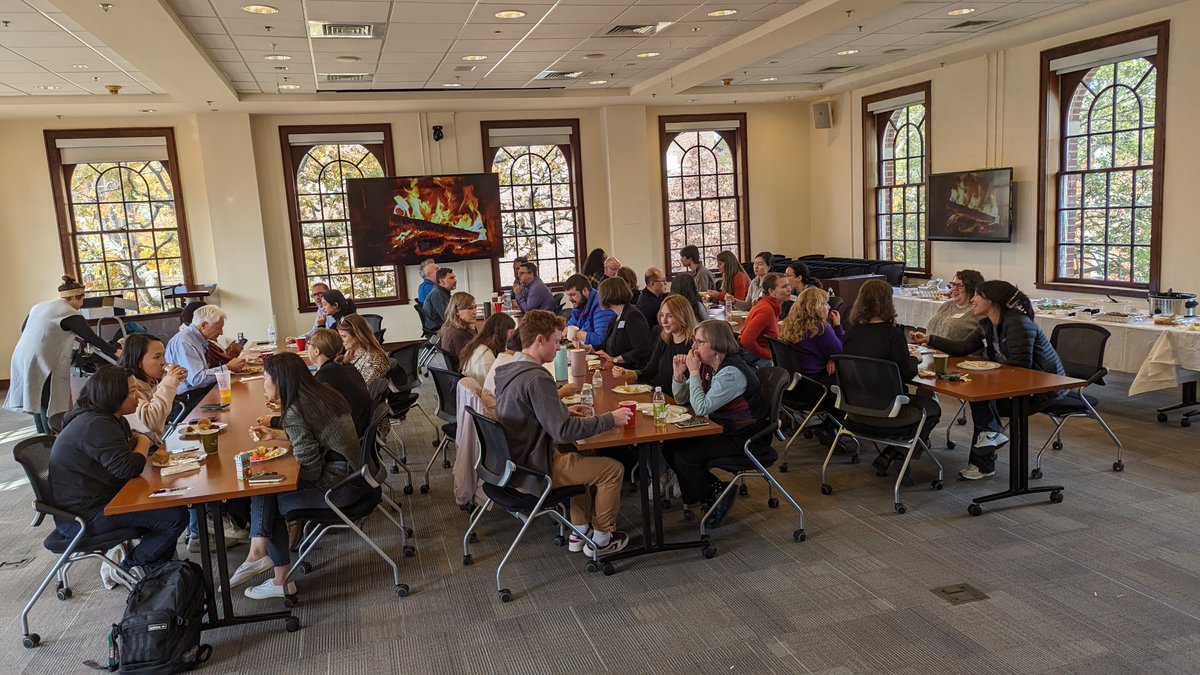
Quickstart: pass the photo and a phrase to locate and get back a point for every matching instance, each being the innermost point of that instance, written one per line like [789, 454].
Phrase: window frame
[290, 167]
[574, 160]
[741, 159]
[1052, 113]
[60, 190]
[872, 164]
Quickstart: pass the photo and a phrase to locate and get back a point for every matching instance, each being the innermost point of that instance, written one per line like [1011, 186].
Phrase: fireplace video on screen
[403, 221]
[971, 205]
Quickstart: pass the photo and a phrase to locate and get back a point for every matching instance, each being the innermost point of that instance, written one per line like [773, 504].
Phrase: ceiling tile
[349, 10]
[441, 12]
[192, 7]
[584, 14]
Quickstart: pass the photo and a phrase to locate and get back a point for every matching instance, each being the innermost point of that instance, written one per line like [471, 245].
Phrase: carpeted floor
[1106, 582]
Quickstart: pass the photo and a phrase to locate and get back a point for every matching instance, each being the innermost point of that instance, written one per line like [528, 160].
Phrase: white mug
[571, 331]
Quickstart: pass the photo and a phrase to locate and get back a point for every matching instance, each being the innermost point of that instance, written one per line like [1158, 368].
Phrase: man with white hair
[429, 270]
[611, 266]
[189, 346]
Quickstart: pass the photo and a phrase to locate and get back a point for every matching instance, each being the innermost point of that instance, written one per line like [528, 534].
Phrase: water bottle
[658, 405]
[587, 399]
[728, 308]
[271, 333]
[560, 364]
[598, 380]
[507, 301]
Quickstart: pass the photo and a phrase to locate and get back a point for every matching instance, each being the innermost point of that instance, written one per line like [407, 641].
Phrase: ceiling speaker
[822, 115]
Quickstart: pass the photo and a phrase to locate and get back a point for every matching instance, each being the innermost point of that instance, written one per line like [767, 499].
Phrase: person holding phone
[317, 422]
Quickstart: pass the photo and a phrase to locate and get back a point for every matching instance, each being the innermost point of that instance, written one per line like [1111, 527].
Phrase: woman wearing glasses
[954, 320]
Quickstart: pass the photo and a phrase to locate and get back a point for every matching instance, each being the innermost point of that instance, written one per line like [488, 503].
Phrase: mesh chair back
[370, 441]
[33, 454]
[771, 382]
[807, 391]
[375, 322]
[421, 317]
[868, 387]
[495, 458]
[1081, 348]
[445, 382]
[379, 391]
[406, 359]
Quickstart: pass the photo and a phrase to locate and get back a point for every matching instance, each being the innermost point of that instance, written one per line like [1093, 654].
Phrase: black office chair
[877, 410]
[380, 391]
[771, 381]
[445, 383]
[375, 322]
[451, 361]
[1081, 348]
[558, 298]
[33, 454]
[803, 398]
[430, 348]
[406, 379]
[341, 516]
[499, 475]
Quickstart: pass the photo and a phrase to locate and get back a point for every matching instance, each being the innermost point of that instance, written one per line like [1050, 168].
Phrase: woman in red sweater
[763, 320]
[734, 280]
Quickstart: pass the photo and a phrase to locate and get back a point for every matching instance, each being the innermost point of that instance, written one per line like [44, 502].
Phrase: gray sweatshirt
[526, 392]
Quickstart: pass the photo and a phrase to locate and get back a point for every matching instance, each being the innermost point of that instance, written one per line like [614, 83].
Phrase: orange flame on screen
[447, 201]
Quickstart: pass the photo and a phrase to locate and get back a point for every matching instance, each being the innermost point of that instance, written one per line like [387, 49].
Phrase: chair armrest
[363, 473]
[49, 510]
[536, 475]
[765, 433]
[1096, 377]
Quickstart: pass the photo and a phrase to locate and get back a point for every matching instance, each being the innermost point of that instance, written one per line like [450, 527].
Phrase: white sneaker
[268, 589]
[250, 569]
[617, 542]
[975, 473]
[990, 439]
[232, 531]
[575, 543]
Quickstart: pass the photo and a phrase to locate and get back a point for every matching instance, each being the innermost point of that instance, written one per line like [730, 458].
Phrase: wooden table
[214, 484]
[648, 438]
[1017, 384]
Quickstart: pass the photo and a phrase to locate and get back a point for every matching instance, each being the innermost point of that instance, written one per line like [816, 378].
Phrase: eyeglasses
[658, 281]
[698, 342]
[957, 284]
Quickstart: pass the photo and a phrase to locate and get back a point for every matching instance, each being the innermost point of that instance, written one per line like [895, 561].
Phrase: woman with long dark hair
[1006, 334]
[154, 383]
[336, 307]
[593, 267]
[93, 458]
[735, 283]
[317, 422]
[480, 353]
[685, 285]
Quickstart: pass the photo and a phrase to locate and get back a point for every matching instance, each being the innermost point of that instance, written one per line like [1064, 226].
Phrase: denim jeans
[268, 514]
[159, 531]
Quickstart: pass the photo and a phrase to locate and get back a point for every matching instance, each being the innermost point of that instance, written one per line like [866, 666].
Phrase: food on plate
[927, 374]
[203, 424]
[1164, 319]
[262, 453]
[163, 459]
[632, 389]
[160, 457]
[572, 400]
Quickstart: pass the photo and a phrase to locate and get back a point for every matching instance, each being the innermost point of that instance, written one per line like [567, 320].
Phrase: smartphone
[267, 477]
[215, 406]
[241, 341]
[694, 422]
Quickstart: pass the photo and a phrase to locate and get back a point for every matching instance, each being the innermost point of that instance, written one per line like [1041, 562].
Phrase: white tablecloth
[1161, 356]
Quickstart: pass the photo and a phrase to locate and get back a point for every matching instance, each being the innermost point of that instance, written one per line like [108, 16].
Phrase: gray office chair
[445, 383]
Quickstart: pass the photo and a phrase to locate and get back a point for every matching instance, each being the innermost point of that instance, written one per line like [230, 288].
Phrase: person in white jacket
[145, 357]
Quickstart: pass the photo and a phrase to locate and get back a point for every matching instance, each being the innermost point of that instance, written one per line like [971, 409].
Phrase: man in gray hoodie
[535, 421]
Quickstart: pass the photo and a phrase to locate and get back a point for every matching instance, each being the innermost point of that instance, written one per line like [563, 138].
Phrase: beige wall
[985, 114]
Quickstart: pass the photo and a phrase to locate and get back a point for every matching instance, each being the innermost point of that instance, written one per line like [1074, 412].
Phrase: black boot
[723, 507]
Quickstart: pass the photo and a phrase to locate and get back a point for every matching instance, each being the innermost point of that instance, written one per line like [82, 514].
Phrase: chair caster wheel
[592, 567]
[401, 590]
[1057, 445]
[473, 538]
[783, 468]
[64, 593]
[1162, 417]
[290, 601]
[408, 532]
[395, 470]
[1056, 497]
[424, 489]
[292, 625]
[962, 421]
[409, 551]
[505, 595]
[936, 485]
[467, 560]
[688, 514]
[446, 464]
[1118, 465]
[32, 640]
[950, 445]
[743, 490]
[1185, 422]
[826, 489]
[854, 459]
[709, 552]
[608, 569]
[772, 503]
[666, 504]
[799, 535]
[1036, 473]
[408, 489]
[558, 540]
[304, 567]
[975, 510]
[901, 509]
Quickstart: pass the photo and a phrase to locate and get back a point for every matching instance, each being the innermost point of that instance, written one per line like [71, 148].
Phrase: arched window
[897, 168]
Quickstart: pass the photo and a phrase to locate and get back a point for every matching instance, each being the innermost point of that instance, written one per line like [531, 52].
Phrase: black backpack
[160, 632]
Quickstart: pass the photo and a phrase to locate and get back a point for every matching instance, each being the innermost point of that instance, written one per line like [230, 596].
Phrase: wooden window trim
[871, 170]
[576, 161]
[1050, 98]
[741, 157]
[58, 188]
[290, 165]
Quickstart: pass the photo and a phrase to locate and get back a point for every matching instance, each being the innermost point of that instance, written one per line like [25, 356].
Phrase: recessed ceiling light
[771, 63]
[961, 11]
[594, 56]
[452, 84]
[260, 9]
[723, 12]
[47, 87]
[474, 57]
[646, 55]
[277, 57]
[347, 59]
[289, 87]
[598, 82]
[80, 66]
[847, 52]
[510, 14]
[149, 110]
[768, 79]
[691, 100]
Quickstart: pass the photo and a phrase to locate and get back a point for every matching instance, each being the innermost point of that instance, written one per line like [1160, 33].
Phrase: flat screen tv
[971, 205]
[403, 221]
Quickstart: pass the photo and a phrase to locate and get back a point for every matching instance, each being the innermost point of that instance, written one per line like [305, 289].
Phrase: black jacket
[628, 336]
[648, 304]
[658, 371]
[881, 341]
[1019, 342]
[91, 461]
[348, 382]
[434, 309]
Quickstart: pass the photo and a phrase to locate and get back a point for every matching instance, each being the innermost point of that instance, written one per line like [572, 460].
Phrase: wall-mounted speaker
[822, 115]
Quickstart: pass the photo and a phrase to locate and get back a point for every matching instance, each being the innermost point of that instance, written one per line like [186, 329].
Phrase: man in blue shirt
[588, 316]
[190, 345]
[429, 270]
[532, 293]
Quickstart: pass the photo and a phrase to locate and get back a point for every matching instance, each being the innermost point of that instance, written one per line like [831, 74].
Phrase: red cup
[497, 307]
[631, 406]
[301, 344]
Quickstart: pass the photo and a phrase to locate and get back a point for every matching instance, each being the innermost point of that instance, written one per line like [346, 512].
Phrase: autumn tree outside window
[896, 132]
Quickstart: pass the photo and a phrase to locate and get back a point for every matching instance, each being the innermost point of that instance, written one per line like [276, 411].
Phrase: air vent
[464, 69]
[834, 69]
[333, 29]
[345, 77]
[969, 26]
[638, 29]
[558, 75]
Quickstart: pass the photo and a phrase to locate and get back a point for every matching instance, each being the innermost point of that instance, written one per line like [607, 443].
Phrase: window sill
[360, 304]
[1066, 287]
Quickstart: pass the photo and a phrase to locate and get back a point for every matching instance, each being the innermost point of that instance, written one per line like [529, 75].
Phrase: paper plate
[572, 400]
[192, 432]
[674, 418]
[978, 365]
[271, 453]
[633, 389]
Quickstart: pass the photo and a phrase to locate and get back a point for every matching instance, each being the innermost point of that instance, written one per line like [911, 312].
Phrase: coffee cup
[940, 362]
[572, 331]
[631, 406]
[208, 440]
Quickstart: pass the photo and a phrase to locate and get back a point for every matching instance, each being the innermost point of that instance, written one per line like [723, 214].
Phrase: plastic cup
[301, 344]
[631, 406]
[224, 382]
[208, 440]
[571, 332]
[940, 362]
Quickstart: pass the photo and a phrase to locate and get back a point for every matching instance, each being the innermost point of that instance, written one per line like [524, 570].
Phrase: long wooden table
[648, 438]
[1017, 384]
[216, 483]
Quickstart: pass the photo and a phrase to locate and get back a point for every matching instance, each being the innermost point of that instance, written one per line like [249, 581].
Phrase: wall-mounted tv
[971, 205]
[403, 221]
